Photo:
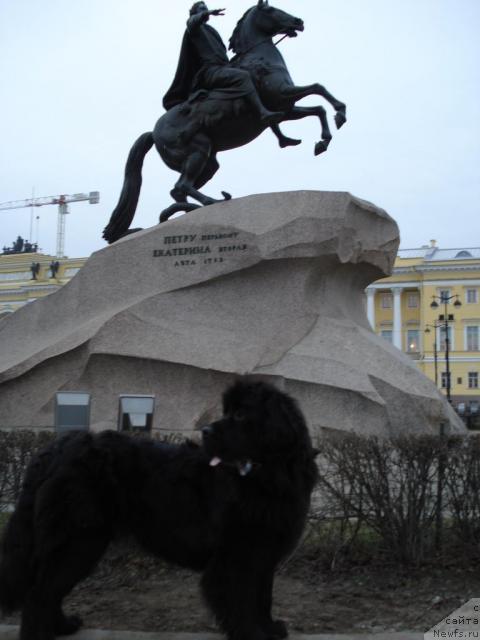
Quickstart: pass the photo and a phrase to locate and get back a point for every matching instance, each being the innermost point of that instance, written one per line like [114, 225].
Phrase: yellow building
[400, 310]
[26, 276]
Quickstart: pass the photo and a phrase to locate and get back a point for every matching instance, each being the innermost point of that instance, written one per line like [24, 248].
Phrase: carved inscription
[189, 250]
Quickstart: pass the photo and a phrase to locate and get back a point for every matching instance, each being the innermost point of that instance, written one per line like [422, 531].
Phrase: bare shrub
[16, 450]
[388, 486]
[377, 499]
[462, 484]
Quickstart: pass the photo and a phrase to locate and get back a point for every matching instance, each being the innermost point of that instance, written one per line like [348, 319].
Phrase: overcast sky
[81, 79]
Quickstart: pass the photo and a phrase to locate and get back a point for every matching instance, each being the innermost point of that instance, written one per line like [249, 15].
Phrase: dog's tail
[17, 545]
[16, 560]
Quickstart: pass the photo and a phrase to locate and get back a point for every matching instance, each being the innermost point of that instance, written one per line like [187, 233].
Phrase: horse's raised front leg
[297, 113]
[316, 89]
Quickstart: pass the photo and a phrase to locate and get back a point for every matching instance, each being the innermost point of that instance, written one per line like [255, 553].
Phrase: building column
[371, 307]
[397, 317]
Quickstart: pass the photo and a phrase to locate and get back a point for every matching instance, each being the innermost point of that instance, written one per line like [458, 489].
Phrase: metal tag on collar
[245, 467]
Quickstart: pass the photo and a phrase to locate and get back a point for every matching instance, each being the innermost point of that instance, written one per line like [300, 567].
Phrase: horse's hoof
[321, 147]
[208, 201]
[289, 142]
[176, 207]
[340, 118]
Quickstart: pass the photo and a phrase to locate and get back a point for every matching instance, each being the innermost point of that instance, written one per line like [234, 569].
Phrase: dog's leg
[273, 628]
[35, 623]
[43, 618]
[80, 559]
[57, 573]
[230, 588]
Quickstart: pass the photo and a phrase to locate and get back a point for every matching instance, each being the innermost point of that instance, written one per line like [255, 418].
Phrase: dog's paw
[68, 625]
[277, 630]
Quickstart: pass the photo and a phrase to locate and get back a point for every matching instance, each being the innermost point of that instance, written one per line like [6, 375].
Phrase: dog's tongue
[215, 461]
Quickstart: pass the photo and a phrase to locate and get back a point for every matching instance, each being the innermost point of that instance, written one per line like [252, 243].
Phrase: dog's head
[259, 423]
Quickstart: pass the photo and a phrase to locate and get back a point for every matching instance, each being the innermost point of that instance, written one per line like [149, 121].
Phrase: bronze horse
[226, 124]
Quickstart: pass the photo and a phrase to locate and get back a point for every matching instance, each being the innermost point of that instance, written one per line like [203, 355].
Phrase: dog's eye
[239, 416]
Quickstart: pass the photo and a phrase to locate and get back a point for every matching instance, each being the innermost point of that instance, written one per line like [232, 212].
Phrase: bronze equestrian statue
[216, 104]
[204, 64]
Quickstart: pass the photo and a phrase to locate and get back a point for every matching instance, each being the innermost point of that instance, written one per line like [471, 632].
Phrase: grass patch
[333, 544]
[4, 517]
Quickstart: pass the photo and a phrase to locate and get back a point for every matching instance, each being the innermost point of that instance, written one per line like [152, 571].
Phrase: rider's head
[197, 7]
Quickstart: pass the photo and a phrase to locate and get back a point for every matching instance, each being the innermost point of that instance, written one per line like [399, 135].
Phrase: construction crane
[62, 201]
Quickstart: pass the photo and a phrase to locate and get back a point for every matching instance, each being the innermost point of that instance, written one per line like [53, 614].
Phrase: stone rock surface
[269, 284]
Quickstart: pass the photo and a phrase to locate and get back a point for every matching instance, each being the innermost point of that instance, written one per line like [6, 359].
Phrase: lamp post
[434, 305]
[434, 326]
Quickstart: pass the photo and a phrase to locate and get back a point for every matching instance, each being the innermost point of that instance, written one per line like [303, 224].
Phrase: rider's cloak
[189, 65]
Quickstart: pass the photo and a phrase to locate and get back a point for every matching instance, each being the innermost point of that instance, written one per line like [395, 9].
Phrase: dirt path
[132, 591]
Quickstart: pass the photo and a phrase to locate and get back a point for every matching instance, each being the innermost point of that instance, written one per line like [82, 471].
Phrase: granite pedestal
[269, 284]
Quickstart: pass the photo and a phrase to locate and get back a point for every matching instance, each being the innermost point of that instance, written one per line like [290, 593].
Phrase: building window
[461, 408]
[412, 300]
[473, 338]
[72, 411]
[444, 379]
[473, 380]
[387, 334]
[386, 300]
[136, 413]
[444, 295]
[413, 340]
[471, 296]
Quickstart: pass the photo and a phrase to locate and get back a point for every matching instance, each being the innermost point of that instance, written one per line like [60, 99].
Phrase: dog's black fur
[232, 508]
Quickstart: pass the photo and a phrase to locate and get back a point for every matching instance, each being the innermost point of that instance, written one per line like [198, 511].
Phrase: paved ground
[11, 633]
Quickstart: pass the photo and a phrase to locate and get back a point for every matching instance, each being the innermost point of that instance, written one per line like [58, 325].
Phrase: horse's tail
[123, 213]
[16, 562]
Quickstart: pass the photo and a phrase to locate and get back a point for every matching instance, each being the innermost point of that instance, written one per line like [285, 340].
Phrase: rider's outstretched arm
[197, 19]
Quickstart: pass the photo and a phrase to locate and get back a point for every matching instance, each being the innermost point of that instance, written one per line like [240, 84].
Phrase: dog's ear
[285, 425]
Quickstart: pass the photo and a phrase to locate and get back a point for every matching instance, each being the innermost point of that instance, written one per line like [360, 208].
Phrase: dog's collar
[244, 467]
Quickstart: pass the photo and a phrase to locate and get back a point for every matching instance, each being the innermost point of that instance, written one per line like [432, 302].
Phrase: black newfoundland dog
[232, 508]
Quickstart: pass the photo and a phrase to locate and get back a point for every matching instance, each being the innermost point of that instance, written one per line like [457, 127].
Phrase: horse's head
[273, 21]
[263, 21]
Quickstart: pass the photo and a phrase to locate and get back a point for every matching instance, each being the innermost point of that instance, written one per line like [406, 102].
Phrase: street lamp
[434, 305]
[434, 326]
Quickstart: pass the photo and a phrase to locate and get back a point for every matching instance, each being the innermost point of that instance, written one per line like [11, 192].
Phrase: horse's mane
[234, 42]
